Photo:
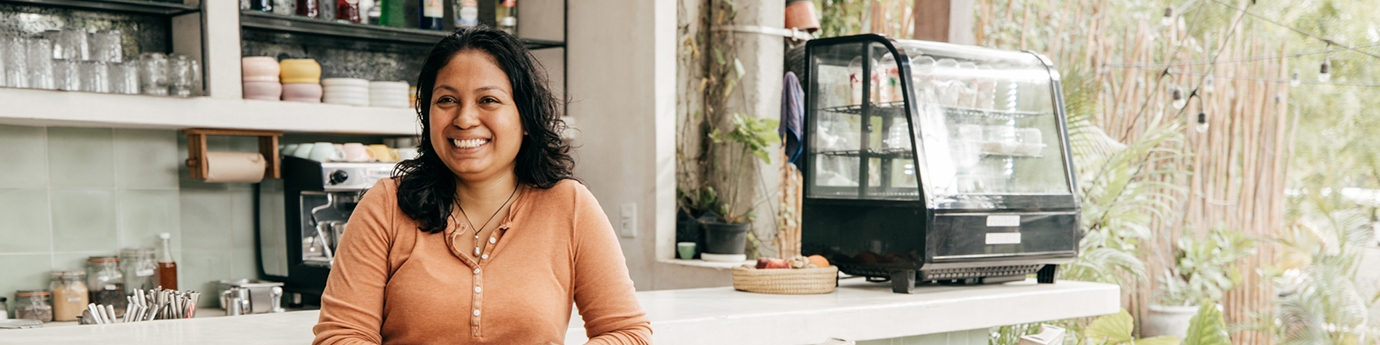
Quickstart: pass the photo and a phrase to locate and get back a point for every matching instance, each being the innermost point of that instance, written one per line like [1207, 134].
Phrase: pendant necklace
[486, 223]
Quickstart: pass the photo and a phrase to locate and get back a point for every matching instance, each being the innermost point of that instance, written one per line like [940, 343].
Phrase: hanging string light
[1295, 81]
[1207, 84]
[1179, 100]
[1168, 16]
[1202, 126]
[1325, 72]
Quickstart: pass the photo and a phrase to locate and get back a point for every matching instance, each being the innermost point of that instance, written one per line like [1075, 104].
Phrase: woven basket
[797, 281]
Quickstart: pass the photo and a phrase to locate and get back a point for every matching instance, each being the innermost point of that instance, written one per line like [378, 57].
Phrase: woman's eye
[445, 100]
[488, 100]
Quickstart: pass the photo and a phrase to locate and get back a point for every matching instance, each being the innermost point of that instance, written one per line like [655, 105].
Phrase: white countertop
[856, 311]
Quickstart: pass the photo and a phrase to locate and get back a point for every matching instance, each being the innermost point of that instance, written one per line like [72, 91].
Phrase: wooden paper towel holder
[196, 149]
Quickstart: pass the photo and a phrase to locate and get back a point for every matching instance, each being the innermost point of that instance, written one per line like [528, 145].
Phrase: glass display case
[935, 162]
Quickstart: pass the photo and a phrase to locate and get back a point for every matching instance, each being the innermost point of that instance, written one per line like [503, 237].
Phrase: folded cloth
[792, 117]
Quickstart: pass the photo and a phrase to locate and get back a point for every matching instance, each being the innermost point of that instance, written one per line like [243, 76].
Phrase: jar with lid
[139, 267]
[69, 294]
[106, 282]
[33, 305]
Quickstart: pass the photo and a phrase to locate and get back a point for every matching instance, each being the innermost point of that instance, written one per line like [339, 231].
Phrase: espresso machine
[301, 219]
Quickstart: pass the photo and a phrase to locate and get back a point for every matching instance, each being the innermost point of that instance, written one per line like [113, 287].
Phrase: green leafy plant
[1208, 327]
[749, 137]
[1115, 329]
[1204, 269]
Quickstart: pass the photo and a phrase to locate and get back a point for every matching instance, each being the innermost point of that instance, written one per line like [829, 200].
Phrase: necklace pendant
[476, 251]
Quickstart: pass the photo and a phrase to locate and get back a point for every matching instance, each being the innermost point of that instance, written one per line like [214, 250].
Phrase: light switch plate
[627, 220]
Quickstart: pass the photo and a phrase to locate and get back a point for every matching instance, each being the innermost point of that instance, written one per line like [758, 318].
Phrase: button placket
[476, 304]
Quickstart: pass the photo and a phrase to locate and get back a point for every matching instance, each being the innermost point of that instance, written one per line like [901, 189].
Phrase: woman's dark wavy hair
[426, 187]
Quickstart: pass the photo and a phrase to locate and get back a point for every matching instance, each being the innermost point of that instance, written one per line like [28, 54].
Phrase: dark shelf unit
[898, 109]
[304, 25]
[127, 6]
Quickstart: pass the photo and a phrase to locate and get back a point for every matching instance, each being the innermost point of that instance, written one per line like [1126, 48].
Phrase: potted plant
[1203, 271]
[733, 203]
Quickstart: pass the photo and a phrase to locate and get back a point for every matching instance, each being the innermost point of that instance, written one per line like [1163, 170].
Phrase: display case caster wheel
[903, 281]
[1046, 274]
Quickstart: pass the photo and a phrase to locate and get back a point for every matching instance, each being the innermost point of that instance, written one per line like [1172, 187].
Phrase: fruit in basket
[799, 262]
[818, 261]
[765, 263]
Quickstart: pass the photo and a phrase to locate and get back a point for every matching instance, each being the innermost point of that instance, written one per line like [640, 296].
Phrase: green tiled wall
[70, 193]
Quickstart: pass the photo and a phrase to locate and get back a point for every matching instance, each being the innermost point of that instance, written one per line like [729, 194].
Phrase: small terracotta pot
[801, 15]
[310, 93]
[300, 71]
[259, 68]
[262, 90]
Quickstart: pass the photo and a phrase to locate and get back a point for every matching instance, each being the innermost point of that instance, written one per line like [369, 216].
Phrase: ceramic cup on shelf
[357, 152]
[300, 71]
[303, 151]
[259, 68]
[686, 250]
[383, 153]
[326, 152]
[407, 153]
[262, 90]
[309, 93]
[288, 149]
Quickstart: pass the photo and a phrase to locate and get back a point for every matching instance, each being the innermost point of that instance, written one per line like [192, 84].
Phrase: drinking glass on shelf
[153, 74]
[72, 45]
[13, 54]
[95, 76]
[180, 75]
[106, 46]
[124, 78]
[40, 63]
[67, 75]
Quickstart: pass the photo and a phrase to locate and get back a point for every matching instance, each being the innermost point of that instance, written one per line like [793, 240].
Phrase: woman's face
[475, 126]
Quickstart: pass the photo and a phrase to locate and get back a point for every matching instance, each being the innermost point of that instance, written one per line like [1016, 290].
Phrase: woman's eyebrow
[443, 86]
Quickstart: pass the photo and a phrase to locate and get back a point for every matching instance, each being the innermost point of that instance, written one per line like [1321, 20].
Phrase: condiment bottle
[431, 12]
[348, 10]
[167, 269]
[507, 16]
[69, 294]
[309, 8]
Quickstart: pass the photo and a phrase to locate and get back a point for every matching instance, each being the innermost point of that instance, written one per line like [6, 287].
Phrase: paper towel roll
[234, 167]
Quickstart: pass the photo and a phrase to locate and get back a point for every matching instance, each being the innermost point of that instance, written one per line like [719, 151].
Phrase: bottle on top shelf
[466, 13]
[391, 13]
[309, 8]
[348, 10]
[430, 13]
[507, 16]
[261, 5]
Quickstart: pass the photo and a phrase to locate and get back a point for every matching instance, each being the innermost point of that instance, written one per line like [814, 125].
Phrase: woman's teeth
[469, 143]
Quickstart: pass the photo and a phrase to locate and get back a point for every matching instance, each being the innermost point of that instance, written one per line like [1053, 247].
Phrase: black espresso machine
[936, 163]
[301, 219]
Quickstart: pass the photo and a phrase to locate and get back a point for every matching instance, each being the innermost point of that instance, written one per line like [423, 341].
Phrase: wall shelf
[129, 6]
[28, 107]
[297, 24]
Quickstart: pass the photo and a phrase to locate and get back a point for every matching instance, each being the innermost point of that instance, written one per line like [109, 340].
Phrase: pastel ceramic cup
[383, 153]
[309, 93]
[357, 152]
[288, 149]
[260, 68]
[262, 90]
[303, 151]
[686, 249]
[300, 71]
[407, 153]
[325, 152]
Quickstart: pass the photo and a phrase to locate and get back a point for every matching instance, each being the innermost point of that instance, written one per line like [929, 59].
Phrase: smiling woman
[415, 264]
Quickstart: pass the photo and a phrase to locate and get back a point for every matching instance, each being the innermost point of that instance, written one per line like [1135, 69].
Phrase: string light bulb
[1207, 83]
[1168, 16]
[1179, 100]
[1202, 126]
[1295, 81]
[1325, 72]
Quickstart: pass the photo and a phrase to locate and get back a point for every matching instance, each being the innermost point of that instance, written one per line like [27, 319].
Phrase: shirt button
[476, 271]
[478, 289]
[493, 240]
[476, 312]
[484, 257]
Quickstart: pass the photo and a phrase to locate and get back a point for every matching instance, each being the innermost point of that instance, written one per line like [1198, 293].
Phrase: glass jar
[33, 305]
[106, 282]
[69, 294]
[139, 268]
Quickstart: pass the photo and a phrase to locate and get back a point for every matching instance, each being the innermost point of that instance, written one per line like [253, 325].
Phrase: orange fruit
[819, 261]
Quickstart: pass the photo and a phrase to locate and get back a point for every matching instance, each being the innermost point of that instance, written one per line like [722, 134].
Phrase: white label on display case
[1003, 238]
[1003, 221]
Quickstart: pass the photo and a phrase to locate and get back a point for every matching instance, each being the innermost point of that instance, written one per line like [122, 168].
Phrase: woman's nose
[468, 117]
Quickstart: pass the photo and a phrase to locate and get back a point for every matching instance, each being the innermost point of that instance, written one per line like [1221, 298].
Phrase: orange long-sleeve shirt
[394, 284]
